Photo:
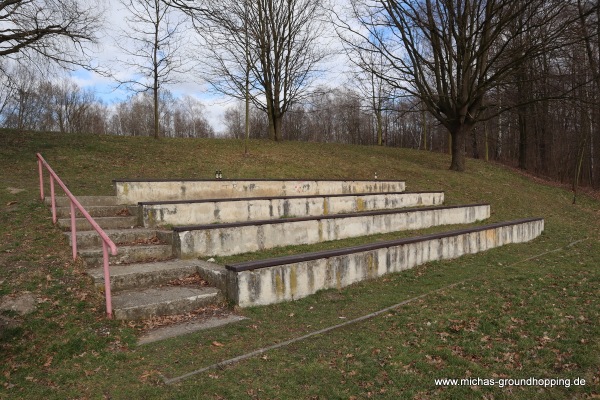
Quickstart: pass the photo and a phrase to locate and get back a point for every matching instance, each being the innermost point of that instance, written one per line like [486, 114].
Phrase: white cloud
[108, 54]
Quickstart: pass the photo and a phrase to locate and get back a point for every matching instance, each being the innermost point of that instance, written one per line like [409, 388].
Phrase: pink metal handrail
[106, 242]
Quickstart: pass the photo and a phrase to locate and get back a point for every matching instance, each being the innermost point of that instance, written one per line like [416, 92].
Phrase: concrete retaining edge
[237, 238]
[290, 278]
[212, 211]
[135, 191]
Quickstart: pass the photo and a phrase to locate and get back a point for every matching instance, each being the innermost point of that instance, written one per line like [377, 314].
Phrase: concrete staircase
[144, 273]
[149, 279]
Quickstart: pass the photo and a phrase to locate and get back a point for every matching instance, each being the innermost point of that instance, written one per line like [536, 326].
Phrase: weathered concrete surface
[172, 331]
[133, 192]
[152, 302]
[252, 209]
[128, 254]
[85, 201]
[229, 239]
[143, 275]
[98, 211]
[291, 278]
[22, 304]
[82, 224]
[214, 274]
[121, 237]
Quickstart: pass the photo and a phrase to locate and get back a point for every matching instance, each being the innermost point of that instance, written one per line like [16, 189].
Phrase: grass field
[516, 312]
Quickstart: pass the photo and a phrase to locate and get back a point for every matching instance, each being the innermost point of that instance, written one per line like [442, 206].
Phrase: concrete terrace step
[293, 277]
[135, 191]
[148, 303]
[186, 212]
[82, 224]
[98, 211]
[122, 237]
[144, 275]
[128, 255]
[86, 201]
[237, 238]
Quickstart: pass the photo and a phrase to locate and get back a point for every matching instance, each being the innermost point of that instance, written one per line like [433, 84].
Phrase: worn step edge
[129, 254]
[82, 224]
[63, 201]
[148, 303]
[214, 274]
[98, 211]
[142, 275]
[90, 239]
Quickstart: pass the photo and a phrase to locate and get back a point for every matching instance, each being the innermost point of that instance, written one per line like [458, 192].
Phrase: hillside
[519, 311]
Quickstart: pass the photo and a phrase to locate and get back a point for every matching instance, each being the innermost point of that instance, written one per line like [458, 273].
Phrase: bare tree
[267, 49]
[72, 106]
[153, 49]
[450, 54]
[371, 67]
[57, 30]
[190, 118]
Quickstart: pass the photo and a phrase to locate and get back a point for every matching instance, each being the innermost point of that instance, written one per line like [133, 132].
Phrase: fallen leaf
[48, 361]
[217, 344]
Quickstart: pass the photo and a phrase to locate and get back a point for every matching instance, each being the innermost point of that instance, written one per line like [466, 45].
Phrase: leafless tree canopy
[274, 42]
[450, 53]
[152, 46]
[58, 30]
[514, 81]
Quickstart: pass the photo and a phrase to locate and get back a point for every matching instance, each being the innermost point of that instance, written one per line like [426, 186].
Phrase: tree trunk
[522, 139]
[156, 126]
[458, 137]
[275, 118]
[379, 128]
[424, 128]
[278, 124]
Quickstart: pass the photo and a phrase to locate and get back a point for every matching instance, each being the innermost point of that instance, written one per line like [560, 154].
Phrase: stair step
[122, 237]
[143, 275]
[86, 201]
[214, 274]
[129, 254]
[148, 303]
[82, 224]
[98, 211]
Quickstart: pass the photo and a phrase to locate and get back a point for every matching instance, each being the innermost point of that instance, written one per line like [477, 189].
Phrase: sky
[108, 52]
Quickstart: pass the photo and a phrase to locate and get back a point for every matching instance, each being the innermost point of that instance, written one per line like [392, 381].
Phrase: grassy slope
[510, 317]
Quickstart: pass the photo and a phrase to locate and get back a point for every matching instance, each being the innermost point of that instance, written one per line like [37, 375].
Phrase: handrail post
[73, 231]
[52, 199]
[41, 178]
[106, 241]
[107, 280]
